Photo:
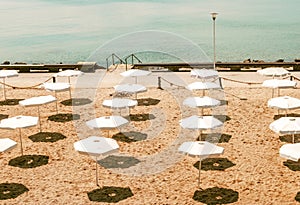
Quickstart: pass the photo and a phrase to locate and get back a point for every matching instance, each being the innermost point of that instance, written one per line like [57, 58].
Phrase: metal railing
[113, 56]
[133, 57]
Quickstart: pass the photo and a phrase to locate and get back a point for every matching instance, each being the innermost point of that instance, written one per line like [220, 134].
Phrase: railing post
[126, 63]
[113, 59]
[159, 82]
[107, 63]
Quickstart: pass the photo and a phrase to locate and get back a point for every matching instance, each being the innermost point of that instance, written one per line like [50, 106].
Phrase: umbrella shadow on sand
[47, 137]
[276, 117]
[297, 197]
[215, 137]
[29, 161]
[3, 116]
[110, 194]
[64, 117]
[292, 165]
[11, 190]
[222, 118]
[129, 137]
[216, 195]
[147, 101]
[219, 164]
[76, 101]
[10, 102]
[121, 162]
[289, 138]
[140, 117]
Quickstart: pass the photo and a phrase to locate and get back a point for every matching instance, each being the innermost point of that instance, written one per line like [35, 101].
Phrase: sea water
[68, 31]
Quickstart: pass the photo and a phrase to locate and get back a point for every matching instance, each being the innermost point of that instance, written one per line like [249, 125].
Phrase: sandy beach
[162, 176]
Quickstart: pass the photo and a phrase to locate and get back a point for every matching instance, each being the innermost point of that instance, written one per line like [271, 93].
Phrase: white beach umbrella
[135, 73]
[200, 123]
[107, 122]
[6, 144]
[204, 73]
[284, 103]
[6, 74]
[202, 86]
[130, 88]
[57, 87]
[274, 72]
[96, 146]
[119, 103]
[277, 83]
[38, 101]
[290, 151]
[286, 126]
[201, 149]
[201, 102]
[69, 74]
[19, 122]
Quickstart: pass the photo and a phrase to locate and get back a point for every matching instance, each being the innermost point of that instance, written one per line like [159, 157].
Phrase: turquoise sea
[68, 31]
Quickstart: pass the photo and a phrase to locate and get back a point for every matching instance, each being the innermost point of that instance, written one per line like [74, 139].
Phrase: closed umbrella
[290, 151]
[286, 126]
[38, 101]
[7, 74]
[201, 149]
[19, 122]
[96, 146]
[107, 122]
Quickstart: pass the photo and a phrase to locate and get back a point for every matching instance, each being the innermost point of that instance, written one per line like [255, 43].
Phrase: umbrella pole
[21, 141]
[56, 102]
[4, 92]
[272, 92]
[199, 172]
[293, 138]
[39, 118]
[278, 92]
[70, 94]
[96, 173]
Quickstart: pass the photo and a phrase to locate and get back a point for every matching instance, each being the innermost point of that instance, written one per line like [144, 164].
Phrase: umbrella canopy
[96, 146]
[37, 101]
[6, 144]
[19, 122]
[203, 102]
[204, 73]
[6, 74]
[107, 122]
[68, 73]
[274, 72]
[201, 149]
[135, 73]
[130, 88]
[284, 103]
[200, 122]
[276, 83]
[286, 126]
[57, 87]
[203, 86]
[290, 151]
[119, 103]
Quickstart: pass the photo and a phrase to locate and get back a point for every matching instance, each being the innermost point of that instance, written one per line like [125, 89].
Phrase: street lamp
[214, 16]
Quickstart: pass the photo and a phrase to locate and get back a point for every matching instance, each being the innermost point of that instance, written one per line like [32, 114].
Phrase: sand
[163, 176]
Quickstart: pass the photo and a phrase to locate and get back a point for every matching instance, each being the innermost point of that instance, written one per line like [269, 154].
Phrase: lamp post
[214, 16]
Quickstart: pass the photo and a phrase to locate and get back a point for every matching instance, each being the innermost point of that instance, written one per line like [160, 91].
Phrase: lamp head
[214, 15]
